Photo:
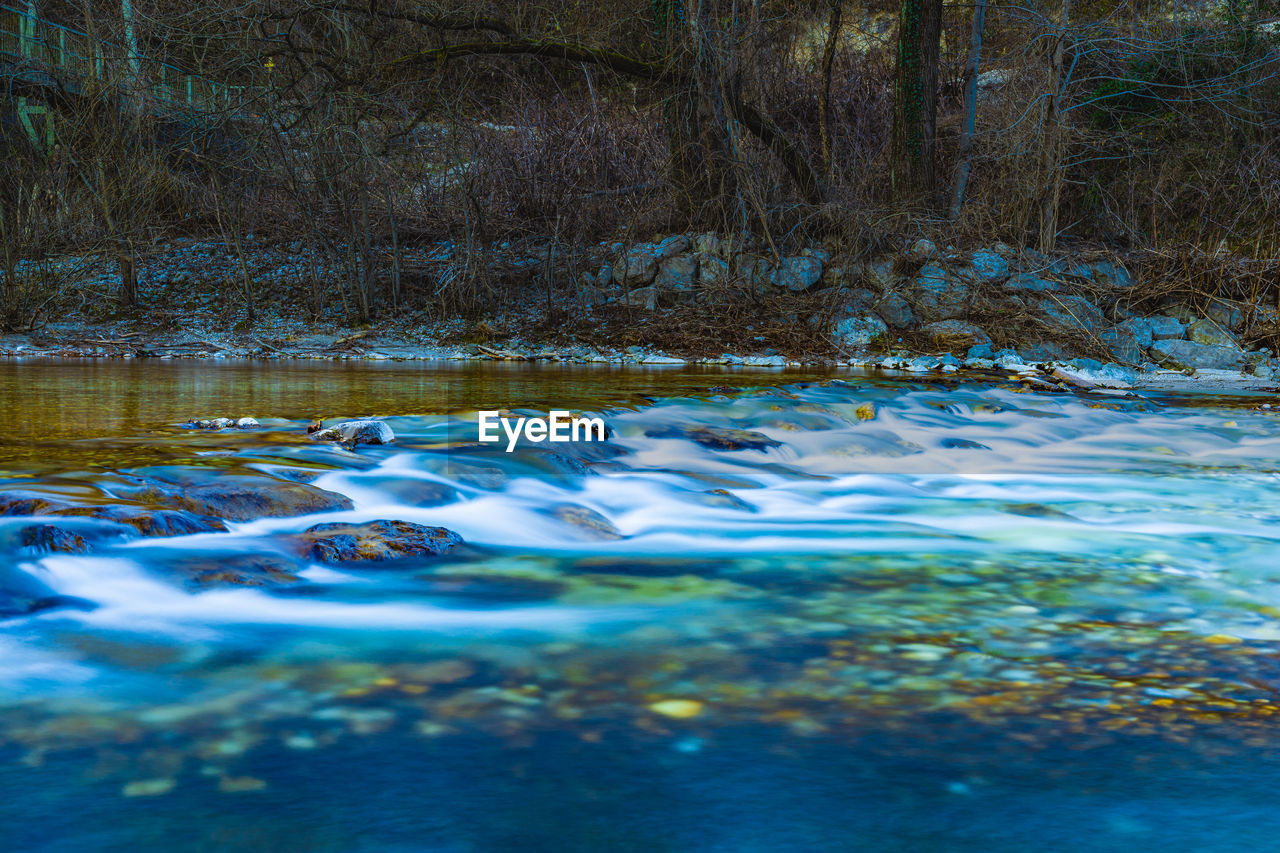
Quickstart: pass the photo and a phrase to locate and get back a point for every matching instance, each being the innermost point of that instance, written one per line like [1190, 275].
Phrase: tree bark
[915, 108]
[824, 94]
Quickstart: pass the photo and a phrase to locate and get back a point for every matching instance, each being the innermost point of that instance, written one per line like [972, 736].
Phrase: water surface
[890, 615]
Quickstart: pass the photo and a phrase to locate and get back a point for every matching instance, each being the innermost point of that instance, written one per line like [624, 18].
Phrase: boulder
[989, 267]
[148, 522]
[676, 276]
[639, 265]
[1164, 327]
[957, 333]
[49, 538]
[1209, 332]
[374, 541]
[1112, 274]
[797, 274]
[712, 270]
[1026, 282]
[1073, 312]
[1126, 345]
[717, 438]
[586, 520]
[859, 331]
[938, 295]
[895, 310]
[237, 497]
[881, 276]
[351, 433]
[1189, 355]
[642, 297]
[1228, 315]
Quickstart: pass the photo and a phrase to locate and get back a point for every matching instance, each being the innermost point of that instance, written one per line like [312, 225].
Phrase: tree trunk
[824, 94]
[1051, 152]
[128, 276]
[965, 154]
[915, 108]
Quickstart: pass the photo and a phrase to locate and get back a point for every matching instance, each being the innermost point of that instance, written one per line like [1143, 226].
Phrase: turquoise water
[889, 615]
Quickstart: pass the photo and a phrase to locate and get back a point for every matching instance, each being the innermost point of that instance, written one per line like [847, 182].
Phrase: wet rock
[895, 310]
[797, 274]
[237, 497]
[587, 520]
[1189, 355]
[20, 502]
[717, 438]
[1073, 312]
[222, 423]
[958, 333]
[495, 589]
[148, 522]
[50, 538]
[726, 500]
[351, 433]
[1209, 332]
[859, 331]
[204, 571]
[414, 492]
[380, 540]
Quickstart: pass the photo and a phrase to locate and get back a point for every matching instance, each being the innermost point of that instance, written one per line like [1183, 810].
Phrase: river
[774, 611]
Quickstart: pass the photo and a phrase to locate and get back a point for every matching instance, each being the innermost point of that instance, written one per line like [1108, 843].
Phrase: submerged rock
[239, 497]
[203, 571]
[148, 522]
[364, 431]
[586, 520]
[341, 542]
[717, 438]
[50, 538]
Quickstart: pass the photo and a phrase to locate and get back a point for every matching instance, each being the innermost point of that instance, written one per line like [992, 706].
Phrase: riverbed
[773, 611]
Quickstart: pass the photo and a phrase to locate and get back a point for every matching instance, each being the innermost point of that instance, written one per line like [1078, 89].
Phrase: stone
[237, 497]
[199, 571]
[639, 265]
[1228, 315]
[680, 709]
[938, 295]
[922, 249]
[642, 297]
[712, 270]
[1030, 283]
[351, 433]
[1073, 312]
[1163, 327]
[148, 522]
[894, 309]
[1139, 328]
[978, 351]
[716, 438]
[711, 245]
[247, 423]
[989, 267]
[1124, 344]
[586, 520]
[376, 541]
[1042, 351]
[797, 274]
[1112, 274]
[957, 333]
[1189, 355]
[859, 331]
[1209, 332]
[755, 272]
[881, 276]
[49, 538]
[676, 276]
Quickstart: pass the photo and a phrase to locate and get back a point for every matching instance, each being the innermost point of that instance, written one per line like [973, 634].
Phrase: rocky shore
[924, 309]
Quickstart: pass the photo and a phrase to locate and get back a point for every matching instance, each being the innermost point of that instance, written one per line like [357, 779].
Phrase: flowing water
[773, 611]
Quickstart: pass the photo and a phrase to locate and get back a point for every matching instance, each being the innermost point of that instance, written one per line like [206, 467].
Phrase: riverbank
[1087, 317]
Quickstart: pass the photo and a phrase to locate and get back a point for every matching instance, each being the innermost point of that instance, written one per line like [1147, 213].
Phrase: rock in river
[376, 540]
[717, 438]
[367, 431]
[243, 497]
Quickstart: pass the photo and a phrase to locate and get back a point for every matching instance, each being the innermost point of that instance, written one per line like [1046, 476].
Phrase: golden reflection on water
[49, 403]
